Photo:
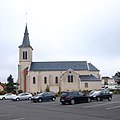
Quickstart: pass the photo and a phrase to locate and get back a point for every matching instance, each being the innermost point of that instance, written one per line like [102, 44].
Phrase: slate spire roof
[26, 41]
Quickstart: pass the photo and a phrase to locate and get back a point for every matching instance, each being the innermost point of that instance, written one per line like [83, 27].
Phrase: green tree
[47, 89]
[118, 82]
[118, 75]
[10, 85]
[10, 79]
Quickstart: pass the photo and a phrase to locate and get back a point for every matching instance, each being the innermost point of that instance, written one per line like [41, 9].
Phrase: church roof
[61, 66]
[92, 68]
[26, 41]
[88, 78]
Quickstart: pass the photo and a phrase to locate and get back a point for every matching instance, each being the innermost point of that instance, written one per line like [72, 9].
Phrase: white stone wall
[29, 54]
[40, 85]
[63, 84]
[70, 86]
[83, 72]
[55, 88]
[96, 85]
[23, 63]
[95, 73]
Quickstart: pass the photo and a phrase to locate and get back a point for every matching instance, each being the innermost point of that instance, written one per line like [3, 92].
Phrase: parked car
[7, 96]
[22, 96]
[117, 87]
[44, 96]
[100, 95]
[74, 97]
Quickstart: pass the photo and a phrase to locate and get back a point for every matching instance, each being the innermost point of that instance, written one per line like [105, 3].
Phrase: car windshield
[65, 93]
[8, 94]
[39, 94]
[95, 92]
[91, 92]
[20, 94]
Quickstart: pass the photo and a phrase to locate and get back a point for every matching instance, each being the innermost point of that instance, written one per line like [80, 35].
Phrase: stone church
[56, 76]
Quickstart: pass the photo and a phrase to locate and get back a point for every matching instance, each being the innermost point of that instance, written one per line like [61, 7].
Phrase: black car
[100, 95]
[74, 97]
[44, 96]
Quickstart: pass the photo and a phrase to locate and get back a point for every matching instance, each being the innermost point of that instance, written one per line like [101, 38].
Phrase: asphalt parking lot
[26, 110]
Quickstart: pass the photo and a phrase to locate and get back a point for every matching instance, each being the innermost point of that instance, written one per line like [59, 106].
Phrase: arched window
[70, 78]
[24, 54]
[56, 80]
[45, 80]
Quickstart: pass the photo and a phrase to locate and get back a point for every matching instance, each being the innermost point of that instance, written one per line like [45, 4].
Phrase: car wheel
[39, 100]
[29, 98]
[3, 98]
[53, 99]
[88, 100]
[98, 99]
[109, 98]
[72, 101]
[17, 99]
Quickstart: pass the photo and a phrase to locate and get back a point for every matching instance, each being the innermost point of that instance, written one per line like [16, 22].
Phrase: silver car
[22, 96]
[7, 96]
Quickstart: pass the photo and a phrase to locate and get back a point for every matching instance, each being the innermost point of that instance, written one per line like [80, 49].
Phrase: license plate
[62, 100]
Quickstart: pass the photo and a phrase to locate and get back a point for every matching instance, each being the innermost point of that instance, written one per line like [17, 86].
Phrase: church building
[56, 76]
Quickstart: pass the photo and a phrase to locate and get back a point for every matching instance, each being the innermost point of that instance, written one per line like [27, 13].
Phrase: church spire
[26, 41]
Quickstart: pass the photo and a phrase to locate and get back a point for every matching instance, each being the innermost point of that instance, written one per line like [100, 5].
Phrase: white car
[22, 96]
[7, 96]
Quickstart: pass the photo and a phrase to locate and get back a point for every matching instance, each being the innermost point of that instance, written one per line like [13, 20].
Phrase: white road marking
[113, 108]
[100, 104]
[5, 115]
[19, 119]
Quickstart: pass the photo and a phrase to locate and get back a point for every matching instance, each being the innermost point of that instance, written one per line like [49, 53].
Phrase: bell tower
[25, 59]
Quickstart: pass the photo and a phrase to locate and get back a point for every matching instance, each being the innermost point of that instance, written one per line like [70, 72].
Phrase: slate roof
[91, 67]
[26, 41]
[88, 78]
[62, 66]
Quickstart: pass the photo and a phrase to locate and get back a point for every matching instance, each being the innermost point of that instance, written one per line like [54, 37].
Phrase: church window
[70, 78]
[45, 80]
[56, 80]
[24, 54]
[86, 85]
[34, 81]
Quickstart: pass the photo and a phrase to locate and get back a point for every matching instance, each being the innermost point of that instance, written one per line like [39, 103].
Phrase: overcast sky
[61, 30]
